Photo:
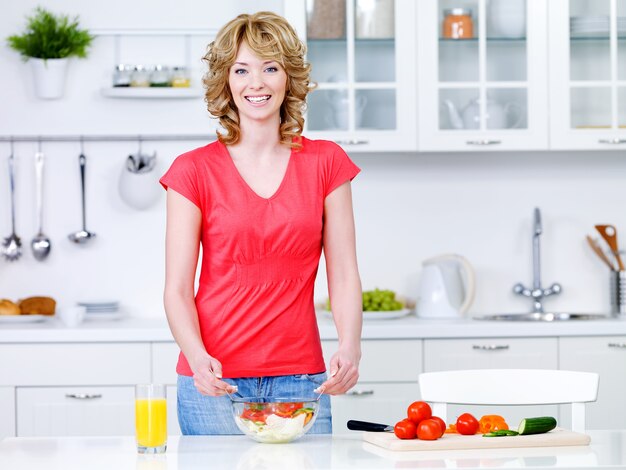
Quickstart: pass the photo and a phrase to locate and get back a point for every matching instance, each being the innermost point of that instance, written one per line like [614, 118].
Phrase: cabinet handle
[352, 142]
[359, 393]
[615, 141]
[83, 396]
[617, 345]
[483, 142]
[491, 347]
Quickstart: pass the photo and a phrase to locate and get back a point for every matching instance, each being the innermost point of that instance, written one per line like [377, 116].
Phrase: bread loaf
[37, 306]
[9, 308]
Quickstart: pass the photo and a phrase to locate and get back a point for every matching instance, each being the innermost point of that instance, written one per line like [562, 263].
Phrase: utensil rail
[107, 138]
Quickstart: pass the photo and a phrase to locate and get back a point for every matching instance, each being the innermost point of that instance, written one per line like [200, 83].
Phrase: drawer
[75, 411]
[75, 364]
[490, 353]
[164, 359]
[385, 360]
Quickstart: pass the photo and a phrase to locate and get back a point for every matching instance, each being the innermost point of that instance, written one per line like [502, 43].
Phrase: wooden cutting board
[555, 438]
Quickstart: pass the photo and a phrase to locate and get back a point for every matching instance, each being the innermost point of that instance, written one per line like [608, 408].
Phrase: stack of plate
[582, 26]
[108, 310]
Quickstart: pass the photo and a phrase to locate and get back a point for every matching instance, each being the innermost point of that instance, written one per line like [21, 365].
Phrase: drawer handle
[617, 345]
[360, 393]
[483, 142]
[615, 141]
[83, 396]
[352, 142]
[491, 347]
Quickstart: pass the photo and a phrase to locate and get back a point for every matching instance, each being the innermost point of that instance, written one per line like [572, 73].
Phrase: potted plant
[47, 44]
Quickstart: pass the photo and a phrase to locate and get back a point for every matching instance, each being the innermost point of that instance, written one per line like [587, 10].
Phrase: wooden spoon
[598, 251]
[609, 233]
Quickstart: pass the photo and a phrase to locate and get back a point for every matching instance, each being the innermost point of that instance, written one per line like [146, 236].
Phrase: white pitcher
[446, 288]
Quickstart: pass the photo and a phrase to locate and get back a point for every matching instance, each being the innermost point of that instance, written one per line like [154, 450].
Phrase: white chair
[510, 387]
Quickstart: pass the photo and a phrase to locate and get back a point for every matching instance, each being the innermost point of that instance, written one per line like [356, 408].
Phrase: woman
[262, 201]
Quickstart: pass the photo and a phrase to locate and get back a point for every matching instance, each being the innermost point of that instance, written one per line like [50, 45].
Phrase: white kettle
[446, 287]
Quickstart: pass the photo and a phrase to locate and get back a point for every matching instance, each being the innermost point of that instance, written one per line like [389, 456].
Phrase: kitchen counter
[607, 450]
[156, 329]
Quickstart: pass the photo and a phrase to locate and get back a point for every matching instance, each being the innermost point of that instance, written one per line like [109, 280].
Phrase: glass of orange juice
[150, 418]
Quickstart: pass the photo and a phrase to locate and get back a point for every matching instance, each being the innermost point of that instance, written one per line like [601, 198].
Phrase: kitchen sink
[545, 317]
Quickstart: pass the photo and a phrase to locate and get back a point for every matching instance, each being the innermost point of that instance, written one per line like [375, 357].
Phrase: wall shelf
[152, 92]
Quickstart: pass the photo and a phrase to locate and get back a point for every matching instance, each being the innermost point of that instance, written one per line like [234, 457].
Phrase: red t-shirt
[259, 257]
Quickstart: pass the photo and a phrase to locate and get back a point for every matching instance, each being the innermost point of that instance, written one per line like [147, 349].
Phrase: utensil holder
[618, 292]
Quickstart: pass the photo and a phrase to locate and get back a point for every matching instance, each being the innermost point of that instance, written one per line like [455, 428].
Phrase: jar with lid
[160, 77]
[458, 24]
[122, 75]
[140, 77]
[180, 77]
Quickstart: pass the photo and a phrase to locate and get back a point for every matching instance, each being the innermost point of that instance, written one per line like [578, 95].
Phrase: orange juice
[151, 422]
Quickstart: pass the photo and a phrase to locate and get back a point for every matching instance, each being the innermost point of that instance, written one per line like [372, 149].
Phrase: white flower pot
[49, 77]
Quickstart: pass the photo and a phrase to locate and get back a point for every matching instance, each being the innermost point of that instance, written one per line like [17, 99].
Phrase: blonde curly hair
[271, 37]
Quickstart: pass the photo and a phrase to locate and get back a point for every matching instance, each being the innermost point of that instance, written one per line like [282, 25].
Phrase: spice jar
[160, 77]
[458, 24]
[140, 77]
[180, 77]
[122, 75]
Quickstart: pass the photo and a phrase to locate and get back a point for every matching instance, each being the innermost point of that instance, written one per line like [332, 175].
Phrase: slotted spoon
[12, 245]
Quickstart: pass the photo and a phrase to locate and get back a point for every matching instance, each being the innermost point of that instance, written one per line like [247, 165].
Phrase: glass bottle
[180, 77]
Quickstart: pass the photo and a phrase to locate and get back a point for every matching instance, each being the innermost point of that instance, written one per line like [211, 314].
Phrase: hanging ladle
[12, 245]
[82, 236]
[40, 244]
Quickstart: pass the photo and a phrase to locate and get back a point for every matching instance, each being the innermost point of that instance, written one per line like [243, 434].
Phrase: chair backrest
[510, 387]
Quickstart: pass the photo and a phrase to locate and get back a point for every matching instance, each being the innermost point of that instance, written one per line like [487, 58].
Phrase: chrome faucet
[537, 293]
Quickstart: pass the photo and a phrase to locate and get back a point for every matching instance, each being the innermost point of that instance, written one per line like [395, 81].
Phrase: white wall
[407, 207]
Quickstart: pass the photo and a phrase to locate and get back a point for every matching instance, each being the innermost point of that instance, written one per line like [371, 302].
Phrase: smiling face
[258, 86]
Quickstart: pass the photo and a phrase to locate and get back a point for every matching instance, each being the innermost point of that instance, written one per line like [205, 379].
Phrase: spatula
[598, 251]
[609, 233]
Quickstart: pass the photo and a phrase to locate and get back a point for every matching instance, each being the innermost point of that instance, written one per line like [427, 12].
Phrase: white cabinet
[493, 353]
[7, 412]
[587, 74]
[75, 411]
[163, 366]
[483, 87]
[605, 355]
[362, 55]
[387, 384]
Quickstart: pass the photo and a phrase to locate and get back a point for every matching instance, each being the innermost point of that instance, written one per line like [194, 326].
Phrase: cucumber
[536, 425]
[500, 433]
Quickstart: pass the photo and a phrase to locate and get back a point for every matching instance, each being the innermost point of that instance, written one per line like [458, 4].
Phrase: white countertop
[607, 450]
[409, 327]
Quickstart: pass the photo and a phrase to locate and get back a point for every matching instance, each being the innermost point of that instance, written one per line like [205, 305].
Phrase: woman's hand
[207, 374]
[344, 372]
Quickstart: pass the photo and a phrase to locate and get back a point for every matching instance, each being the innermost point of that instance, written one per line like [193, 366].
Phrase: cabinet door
[605, 355]
[588, 74]
[362, 54]
[173, 429]
[482, 81]
[377, 402]
[7, 412]
[493, 353]
[75, 411]
[164, 359]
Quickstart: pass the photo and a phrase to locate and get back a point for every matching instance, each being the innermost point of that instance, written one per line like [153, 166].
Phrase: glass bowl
[274, 420]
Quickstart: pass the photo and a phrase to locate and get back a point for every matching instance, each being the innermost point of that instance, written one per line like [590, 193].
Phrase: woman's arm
[182, 245]
[344, 287]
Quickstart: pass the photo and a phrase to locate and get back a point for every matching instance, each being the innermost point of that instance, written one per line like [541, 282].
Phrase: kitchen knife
[354, 425]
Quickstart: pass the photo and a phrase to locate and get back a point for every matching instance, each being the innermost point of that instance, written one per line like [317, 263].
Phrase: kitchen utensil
[598, 251]
[618, 292]
[82, 236]
[355, 425]
[40, 244]
[609, 233]
[446, 288]
[12, 245]
[557, 437]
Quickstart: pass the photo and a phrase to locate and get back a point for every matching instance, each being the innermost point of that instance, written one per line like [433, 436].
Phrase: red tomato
[466, 424]
[405, 429]
[428, 430]
[418, 411]
[442, 424]
[285, 410]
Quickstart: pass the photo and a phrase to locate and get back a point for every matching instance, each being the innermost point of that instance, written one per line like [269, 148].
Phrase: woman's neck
[262, 136]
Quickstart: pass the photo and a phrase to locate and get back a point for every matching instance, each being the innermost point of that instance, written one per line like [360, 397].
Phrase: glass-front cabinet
[483, 75]
[588, 74]
[363, 61]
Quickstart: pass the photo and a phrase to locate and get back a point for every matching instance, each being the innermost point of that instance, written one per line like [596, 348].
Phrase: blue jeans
[201, 414]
